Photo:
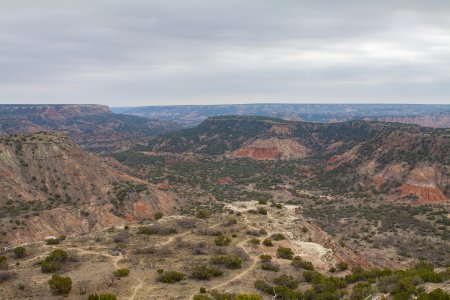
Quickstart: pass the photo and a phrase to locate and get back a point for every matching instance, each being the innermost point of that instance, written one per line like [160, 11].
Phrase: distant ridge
[190, 115]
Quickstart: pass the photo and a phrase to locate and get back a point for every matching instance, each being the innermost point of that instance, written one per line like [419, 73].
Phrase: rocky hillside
[94, 127]
[191, 115]
[406, 160]
[50, 186]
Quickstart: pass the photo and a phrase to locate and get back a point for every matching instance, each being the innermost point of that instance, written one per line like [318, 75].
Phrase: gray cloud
[173, 52]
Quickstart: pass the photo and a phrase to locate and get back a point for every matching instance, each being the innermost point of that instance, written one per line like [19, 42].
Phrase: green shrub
[286, 280]
[277, 236]
[286, 293]
[267, 242]
[269, 266]
[299, 263]
[342, 266]
[20, 252]
[263, 286]
[123, 272]
[265, 257]
[262, 210]
[158, 215]
[222, 241]
[202, 214]
[60, 285]
[202, 297]
[171, 277]
[3, 263]
[102, 297]
[254, 241]
[229, 261]
[284, 252]
[204, 272]
[248, 297]
[54, 261]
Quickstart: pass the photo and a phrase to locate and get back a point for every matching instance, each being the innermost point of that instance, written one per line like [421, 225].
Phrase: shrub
[267, 242]
[284, 252]
[3, 263]
[270, 266]
[263, 286]
[284, 292]
[202, 214]
[361, 291]
[254, 241]
[54, 261]
[58, 255]
[204, 272]
[171, 277]
[286, 280]
[222, 240]
[248, 297]
[277, 236]
[265, 257]
[229, 261]
[262, 201]
[202, 290]
[158, 215]
[262, 210]
[20, 252]
[60, 285]
[304, 229]
[342, 266]
[202, 297]
[123, 272]
[299, 263]
[102, 297]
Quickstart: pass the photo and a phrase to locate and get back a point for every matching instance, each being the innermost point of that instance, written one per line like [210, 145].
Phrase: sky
[131, 53]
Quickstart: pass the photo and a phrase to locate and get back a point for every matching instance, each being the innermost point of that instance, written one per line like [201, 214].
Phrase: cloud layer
[126, 53]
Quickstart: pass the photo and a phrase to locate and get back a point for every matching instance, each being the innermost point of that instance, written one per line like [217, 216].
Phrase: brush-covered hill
[406, 160]
[50, 186]
[94, 127]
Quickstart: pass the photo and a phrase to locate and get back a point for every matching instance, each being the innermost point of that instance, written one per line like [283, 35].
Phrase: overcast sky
[128, 53]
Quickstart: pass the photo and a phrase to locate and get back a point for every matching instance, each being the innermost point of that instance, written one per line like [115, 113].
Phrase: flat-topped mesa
[53, 110]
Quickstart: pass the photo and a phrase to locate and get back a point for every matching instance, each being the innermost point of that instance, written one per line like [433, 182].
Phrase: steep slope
[191, 115]
[50, 186]
[94, 127]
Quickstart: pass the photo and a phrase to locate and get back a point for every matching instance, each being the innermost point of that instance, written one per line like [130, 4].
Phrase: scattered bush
[60, 285]
[222, 241]
[202, 214]
[6, 275]
[229, 261]
[3, 263]
[267, 242]
[171, 277]
[20, 252]
[342, 266]
[265, 257]
[286, 280]
[277, 236]
[102, 297]
[204, 272]
[262, 210]
[123, 272]
[158, 215]
[54, 261]
[299, 263]
[284, 252]
[254, 241]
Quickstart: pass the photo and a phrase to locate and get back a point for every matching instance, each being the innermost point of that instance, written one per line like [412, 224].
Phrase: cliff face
[51, 186]
[273, 148]
[94, 127]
